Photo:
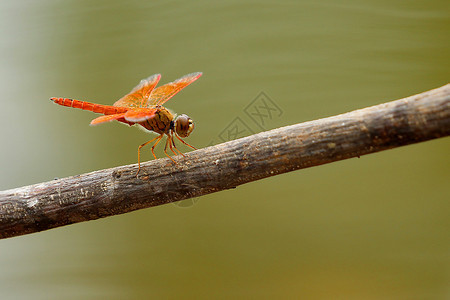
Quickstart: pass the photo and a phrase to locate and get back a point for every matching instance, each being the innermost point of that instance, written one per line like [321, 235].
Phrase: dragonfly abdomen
[84, 105]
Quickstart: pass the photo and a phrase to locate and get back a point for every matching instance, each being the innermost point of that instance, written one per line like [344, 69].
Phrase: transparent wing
[163, 93]
[107, 118]
[140, 94]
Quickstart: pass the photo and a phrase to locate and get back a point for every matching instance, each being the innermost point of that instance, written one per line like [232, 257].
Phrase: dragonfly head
[184, 125]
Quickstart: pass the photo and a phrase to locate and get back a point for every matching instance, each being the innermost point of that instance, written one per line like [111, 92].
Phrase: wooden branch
[117, 190]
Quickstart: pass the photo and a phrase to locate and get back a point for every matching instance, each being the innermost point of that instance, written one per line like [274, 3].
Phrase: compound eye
[184, 125]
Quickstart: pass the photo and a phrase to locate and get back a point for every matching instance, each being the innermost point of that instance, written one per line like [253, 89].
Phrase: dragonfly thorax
[160, 122]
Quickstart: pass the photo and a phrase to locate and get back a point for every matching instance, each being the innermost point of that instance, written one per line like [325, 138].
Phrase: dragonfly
[144, 106]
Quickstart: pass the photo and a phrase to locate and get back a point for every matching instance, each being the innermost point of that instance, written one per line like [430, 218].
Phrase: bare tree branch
[117, 190]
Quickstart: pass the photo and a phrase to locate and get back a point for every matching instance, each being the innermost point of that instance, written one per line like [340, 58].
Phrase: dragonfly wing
[139, 96]
[107, 118]
[139, 114]
[163, 93]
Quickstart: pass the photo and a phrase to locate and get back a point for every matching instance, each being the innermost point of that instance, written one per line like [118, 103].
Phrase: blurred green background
[370, 228]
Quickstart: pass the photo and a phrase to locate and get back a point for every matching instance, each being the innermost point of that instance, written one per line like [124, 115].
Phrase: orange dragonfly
[143, 106]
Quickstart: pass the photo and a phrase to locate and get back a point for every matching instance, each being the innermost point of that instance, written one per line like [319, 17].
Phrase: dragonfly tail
[84, 105]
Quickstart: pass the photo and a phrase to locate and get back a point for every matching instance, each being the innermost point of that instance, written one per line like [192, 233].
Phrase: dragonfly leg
[145, 144]
[165, 148]
[154, 145]
[170, 142]
[185, 142]
[174, 146]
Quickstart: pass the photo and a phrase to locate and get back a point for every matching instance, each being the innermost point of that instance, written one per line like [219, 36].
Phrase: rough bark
[117, 190]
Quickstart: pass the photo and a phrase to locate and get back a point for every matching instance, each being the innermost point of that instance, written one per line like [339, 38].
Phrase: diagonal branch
[117, 190]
